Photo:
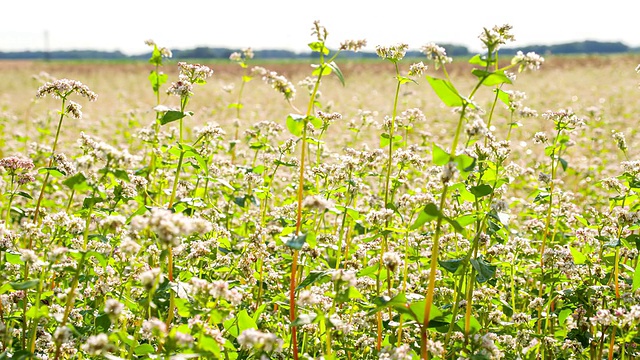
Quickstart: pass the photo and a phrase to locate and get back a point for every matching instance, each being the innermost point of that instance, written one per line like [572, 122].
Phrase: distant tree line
[584, 47]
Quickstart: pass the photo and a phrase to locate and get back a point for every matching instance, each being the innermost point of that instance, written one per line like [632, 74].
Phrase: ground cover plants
[449, 218]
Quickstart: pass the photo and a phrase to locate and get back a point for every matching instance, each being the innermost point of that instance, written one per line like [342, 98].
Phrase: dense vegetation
[432, 211]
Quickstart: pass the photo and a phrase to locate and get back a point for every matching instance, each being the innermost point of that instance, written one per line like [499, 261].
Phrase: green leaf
[503, 96]
[564, 163]
[418, 307]
[245, 321]
[53, 171]
[485, 270]
[313, 277]
[336, 70]
[295, 124]
[481, 190]
[431, 209]
[479, 60]
[202, 164]
[318, 47]
[465, 163]
[541, 196]
[90, 201]
[564, 314]
[157, 80]
[506, 308]
[144, 349]
[634, 239]
[439, 156]
[451, 265]
[432, 212]
[464, 193]
[491, 78]
[403, 80]
[29, 284]
[241, 200]
[398, 302]
[316, 122]
[445, 91]
[173, 115]
[314, 141]
[103, 322]
[351, 212]
[121, 174]
[24, 195]
[320, 70]
[258, 169]
[465, 220]
[578, 257]
[636, 278]
[369, 271]
[5, 288]
[208, 344]
[295, 241]
[14, 259]
[288, 164]
[156, 56]
[422, 219]
[384, 140]
[77, 182]
[99, 256]
[474, 326]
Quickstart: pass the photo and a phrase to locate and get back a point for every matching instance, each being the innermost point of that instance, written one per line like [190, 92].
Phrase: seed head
[436, 53]
[73, 109]
[391, 260]
[113, 307]
[259, 341]
[61, 88]
[353, 45]
[531, 61]
[417, 69]
[181, 88]
[621, 142]
[319, 31]
[195, 73]
[13, 163]
[277, 82]
[496, 37]
[393, 53]
[97, 344]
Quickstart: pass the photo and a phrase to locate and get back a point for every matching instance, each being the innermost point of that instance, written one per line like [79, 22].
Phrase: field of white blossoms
[390, 209]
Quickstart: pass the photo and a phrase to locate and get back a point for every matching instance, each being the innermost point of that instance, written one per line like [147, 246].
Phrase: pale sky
[286, 24]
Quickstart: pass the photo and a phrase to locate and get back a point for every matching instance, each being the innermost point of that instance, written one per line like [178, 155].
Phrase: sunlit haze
[125, 25]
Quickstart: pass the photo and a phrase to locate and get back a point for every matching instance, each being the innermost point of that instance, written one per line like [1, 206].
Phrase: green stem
[13, 193]
[176, 179]
[71, 298]
[294, 261]
[172, 295]
[436, 239]
[391, 134]
[36, 319]
[46, 178]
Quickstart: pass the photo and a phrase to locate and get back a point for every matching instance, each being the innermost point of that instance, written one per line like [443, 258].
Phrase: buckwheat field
[390, 208]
